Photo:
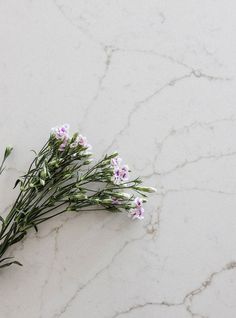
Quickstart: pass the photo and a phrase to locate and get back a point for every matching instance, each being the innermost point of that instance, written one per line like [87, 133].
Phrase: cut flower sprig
[63, 177]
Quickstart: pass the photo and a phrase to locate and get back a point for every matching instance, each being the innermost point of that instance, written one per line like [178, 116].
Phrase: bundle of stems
[61, 178]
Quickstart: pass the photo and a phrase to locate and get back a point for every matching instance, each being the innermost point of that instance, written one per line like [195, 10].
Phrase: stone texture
[154, 80]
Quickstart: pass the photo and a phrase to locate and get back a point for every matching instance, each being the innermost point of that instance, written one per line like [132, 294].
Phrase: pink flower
[63, 145]
[121, 172]
[137, 214]
[138, 211]
[82, 141]
[124, 173]
[61, 133]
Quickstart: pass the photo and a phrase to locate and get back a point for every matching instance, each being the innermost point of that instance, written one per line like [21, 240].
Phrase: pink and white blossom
[61, 133]
[138, 211]
[82, 141]
[138, 202]
[120, 172]
[63, 145]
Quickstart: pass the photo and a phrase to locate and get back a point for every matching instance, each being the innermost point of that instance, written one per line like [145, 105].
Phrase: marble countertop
[154, 80]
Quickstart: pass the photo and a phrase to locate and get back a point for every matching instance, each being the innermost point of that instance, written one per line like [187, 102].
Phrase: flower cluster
[62, 178]
[119, 177]
[120, 171]
[82, 141]
[62, 134]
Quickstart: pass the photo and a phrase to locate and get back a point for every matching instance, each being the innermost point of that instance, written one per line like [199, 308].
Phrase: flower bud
[42, 182]
[122, 195]
[74, 137]
[107, 201]
[146, 189]
[53, 163]
[104, 163]
[86, 154]
[8, 151]
[43, 173]
[113, 155]
[67, 176]
[80, 196]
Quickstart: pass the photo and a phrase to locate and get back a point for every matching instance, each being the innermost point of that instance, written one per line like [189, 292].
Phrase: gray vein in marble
[97, 274]
[109, 51]
[146, 304]
[84, 31]
[174, 132]
[153, 225]
[188, 298]
[159, 55]
[142, 102]
[138, 105]
[46, 41]
[190, 162]
[170, 190]
[50, 269]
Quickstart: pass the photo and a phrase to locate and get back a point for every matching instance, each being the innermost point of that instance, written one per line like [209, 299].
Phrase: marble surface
[156, 81]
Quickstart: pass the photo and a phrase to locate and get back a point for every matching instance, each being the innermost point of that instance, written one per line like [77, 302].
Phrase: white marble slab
[156, 81]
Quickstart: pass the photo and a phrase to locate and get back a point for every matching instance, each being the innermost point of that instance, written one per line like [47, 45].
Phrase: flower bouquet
[63, 178]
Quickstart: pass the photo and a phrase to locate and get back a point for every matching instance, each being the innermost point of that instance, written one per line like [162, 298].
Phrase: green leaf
[34, 152]
[10, 263]
[35, 227]
[16, 183]
[18, 238]
[2, 219]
